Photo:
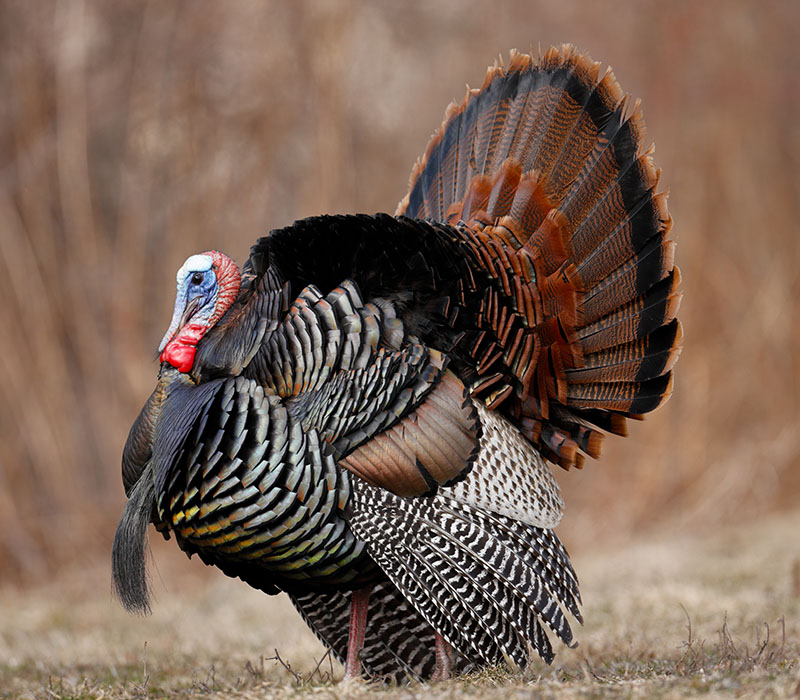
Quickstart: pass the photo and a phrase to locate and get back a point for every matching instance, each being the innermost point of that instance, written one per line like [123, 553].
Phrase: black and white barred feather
[486, 582]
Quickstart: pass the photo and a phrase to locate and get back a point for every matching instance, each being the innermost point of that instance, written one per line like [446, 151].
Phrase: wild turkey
[361, 418]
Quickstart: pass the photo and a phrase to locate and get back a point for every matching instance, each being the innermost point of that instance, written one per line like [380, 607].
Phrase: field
[693, 614]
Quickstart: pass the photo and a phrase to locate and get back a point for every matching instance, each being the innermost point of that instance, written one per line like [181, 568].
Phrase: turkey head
[208, 284]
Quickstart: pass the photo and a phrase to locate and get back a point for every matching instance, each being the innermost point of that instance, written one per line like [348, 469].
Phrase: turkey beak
[180, 317]
[189, 311]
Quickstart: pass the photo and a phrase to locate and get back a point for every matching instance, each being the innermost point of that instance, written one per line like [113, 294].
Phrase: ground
[711, 614]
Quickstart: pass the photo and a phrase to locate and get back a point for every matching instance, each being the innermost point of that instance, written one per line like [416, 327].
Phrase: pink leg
[358, 628]
[444, 660]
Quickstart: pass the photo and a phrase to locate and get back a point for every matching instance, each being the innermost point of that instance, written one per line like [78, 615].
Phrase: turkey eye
[197, 278]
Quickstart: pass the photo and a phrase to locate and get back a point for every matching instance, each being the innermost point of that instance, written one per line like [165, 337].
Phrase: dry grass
[687, 615]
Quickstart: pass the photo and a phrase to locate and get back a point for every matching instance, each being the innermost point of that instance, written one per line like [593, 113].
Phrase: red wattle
[180, 351]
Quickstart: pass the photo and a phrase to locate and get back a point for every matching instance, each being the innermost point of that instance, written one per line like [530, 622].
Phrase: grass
[686, 614]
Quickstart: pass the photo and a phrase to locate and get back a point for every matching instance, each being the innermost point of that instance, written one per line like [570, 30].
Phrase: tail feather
[636, 361]
[595, 190]
[593, 108]
[545, 167]
[630, 235]
[630, 280]
[448, 169]
[494, 94]
[432, 182]
[508, 146]
[636, 319]
[556, 117]
[628, 397]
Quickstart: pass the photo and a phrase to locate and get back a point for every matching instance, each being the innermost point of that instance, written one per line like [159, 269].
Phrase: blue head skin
[195, 301]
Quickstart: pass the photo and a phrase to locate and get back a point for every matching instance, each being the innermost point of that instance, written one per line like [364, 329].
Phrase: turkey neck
[139, 446]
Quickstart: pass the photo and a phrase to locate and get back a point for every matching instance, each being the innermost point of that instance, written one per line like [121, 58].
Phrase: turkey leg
[358, 627]
[444, 660]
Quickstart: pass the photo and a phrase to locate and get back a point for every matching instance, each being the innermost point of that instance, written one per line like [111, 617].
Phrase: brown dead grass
[692, 614]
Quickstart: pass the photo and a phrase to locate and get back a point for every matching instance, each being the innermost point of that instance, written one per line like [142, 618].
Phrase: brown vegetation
[134, 134]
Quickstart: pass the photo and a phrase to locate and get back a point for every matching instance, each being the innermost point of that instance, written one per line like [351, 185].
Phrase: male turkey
[361, 418]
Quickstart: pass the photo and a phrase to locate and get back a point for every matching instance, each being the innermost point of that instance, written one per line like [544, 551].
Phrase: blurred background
[133, 134]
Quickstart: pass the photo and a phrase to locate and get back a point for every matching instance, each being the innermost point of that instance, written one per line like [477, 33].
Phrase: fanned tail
[487, 583]
[543, 171]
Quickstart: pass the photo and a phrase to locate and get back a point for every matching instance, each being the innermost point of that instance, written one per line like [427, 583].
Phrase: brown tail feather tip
[677, 348]
[676, 296]
[667, 392]
[594, 444]
[651, 173]
[660, 204]
[618, 425]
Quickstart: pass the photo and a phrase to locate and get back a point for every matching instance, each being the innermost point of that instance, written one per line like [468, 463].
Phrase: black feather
[128, 553]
